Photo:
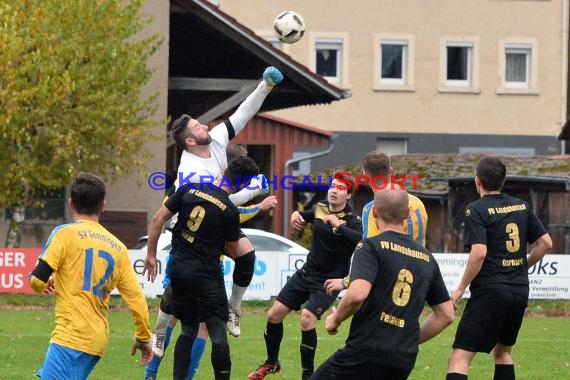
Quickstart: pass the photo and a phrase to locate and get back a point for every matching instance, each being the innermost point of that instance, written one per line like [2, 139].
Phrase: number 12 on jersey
[89, 268]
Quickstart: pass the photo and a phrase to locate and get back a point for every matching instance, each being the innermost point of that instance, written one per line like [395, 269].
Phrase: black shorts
[490, 317]
[302, 289]
[344, 365]
[197, 297]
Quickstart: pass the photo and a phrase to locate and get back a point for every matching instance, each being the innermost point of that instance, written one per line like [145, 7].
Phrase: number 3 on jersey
[89, 268]
[513, 243]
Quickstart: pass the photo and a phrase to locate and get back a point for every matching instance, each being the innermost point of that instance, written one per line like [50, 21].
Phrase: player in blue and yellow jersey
[82, 263]
[377, 164]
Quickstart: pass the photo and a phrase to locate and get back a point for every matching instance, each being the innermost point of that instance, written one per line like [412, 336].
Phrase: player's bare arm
[442, 316]
[158, 220]
[474, 263]
[350, 304]
[541, 247]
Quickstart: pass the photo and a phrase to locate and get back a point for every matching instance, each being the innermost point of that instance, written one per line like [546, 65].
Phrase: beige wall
[134, 193]
[425, 108]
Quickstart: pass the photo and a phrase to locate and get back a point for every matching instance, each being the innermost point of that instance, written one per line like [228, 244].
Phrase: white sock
[162, 322]
[236, 297]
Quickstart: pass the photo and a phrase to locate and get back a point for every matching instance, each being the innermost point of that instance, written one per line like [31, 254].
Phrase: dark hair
[491, 172]
[240, 171]
[88, 194]
[234, 151]
[376, 164]
[179, 130]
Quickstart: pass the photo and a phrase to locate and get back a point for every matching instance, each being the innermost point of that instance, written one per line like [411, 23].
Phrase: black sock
[504, 372]
[308, 348]
[221, 361]
[182, 356]
[455, 376]
[273, 336]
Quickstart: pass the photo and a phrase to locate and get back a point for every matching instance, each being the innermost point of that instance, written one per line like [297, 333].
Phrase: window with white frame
[328, 59]
[459, 64]
[517, 65]
[393, 61]
[518, 60]
[393, 68]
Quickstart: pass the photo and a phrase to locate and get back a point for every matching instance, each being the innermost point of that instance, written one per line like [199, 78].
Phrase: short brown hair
[376, 164]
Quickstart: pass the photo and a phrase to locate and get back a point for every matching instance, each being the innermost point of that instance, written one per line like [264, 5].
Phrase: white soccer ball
[289, 27]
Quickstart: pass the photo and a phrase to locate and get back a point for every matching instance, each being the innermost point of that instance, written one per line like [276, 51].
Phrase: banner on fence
[549, 279]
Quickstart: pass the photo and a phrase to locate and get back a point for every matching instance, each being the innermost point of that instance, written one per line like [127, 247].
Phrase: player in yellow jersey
[377, 164]
[82, 263]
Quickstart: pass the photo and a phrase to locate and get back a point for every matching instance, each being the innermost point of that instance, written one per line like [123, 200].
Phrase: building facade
[430, 76]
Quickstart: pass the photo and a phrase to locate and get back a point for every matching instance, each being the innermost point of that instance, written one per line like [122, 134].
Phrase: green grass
[541, 352]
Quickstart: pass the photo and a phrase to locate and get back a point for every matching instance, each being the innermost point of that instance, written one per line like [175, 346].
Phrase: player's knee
[217, 331]
[308, 320]
[244, 268]
[277, 313]
[244, 247]
[166, 300]
[189, 330]
[502, 354]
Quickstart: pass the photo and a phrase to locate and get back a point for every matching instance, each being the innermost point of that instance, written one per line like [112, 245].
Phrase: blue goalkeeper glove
[261, 183]
[272, 76]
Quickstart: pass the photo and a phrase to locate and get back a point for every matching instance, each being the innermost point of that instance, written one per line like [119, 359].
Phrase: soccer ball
[289, 27]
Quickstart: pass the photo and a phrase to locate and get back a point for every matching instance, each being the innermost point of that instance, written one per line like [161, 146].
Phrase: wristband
[345, 282]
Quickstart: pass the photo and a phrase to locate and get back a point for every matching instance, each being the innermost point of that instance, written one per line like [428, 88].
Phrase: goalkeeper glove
[259, 182]
[272, 76]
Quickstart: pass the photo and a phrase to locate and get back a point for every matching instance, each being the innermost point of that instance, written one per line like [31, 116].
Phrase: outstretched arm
[252, 104]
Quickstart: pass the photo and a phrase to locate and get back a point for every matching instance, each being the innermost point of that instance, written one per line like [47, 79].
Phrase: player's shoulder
[113, 240]
[65, 230]
[415, 202]
[367, 207]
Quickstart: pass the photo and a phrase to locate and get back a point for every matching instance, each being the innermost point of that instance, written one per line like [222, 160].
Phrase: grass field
[541, 352]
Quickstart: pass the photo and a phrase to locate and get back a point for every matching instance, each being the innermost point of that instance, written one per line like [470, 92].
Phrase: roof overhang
[215, 62]
[552, 182]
